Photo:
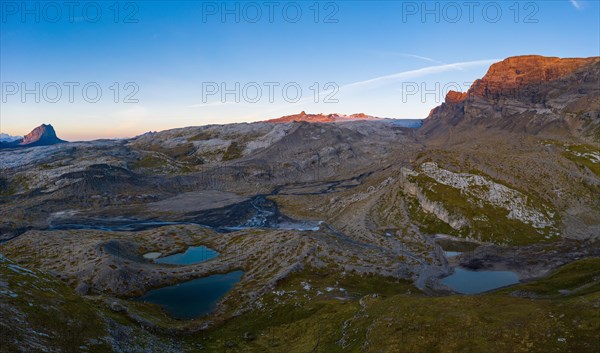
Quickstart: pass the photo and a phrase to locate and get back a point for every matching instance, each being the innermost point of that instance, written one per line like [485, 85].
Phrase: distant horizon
[67, 139]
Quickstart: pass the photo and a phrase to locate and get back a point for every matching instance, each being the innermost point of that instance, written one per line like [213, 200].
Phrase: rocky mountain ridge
[514, 74]
[321, 118]
[531, 94]
[8, 138]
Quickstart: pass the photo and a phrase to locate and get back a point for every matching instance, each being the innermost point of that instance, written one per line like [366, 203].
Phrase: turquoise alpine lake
[192, 255]
[192, 299]
[473, 282]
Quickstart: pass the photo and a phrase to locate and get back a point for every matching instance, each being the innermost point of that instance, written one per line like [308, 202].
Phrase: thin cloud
[576, 4]
[387, 79]
[420, 57]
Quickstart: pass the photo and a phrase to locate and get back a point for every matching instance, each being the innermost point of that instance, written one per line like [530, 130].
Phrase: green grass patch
[203, 136]
[399, 321]
[377, 314]
[577, 278]
[149, 162]
[234, 151]
[47, 312]
[583, 156]
[428, 223]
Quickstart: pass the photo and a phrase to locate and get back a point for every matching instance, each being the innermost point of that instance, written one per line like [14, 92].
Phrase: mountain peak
[42, 135]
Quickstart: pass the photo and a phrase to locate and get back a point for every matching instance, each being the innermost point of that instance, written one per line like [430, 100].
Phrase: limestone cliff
[526, 94]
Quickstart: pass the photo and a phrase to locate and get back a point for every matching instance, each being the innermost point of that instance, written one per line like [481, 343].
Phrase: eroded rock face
[531, 94]
[457, 222]
[508, 77]
[455, 97]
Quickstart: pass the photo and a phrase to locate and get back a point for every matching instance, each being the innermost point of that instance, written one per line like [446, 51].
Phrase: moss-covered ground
[322, 310]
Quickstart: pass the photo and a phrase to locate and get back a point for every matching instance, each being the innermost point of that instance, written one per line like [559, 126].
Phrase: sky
[118, 69]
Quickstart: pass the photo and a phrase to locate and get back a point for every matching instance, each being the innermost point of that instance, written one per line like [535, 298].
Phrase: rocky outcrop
[498, 195]
[321, 118]
[512, 76]
[455, 221]
[531, 94]
[43, 135]
[454, 97]
[473, 204]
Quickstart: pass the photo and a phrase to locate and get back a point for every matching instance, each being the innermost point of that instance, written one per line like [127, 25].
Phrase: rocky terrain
[342, 225]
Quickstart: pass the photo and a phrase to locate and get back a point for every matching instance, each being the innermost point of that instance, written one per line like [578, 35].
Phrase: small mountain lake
[193, 255]
[452, 253]
[473, 282]
[189, 300]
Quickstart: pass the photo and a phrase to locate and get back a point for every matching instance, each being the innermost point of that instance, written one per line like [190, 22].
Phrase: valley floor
[342, 241]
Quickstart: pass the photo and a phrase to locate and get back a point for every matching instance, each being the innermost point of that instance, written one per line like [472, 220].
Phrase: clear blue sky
[382, 56]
